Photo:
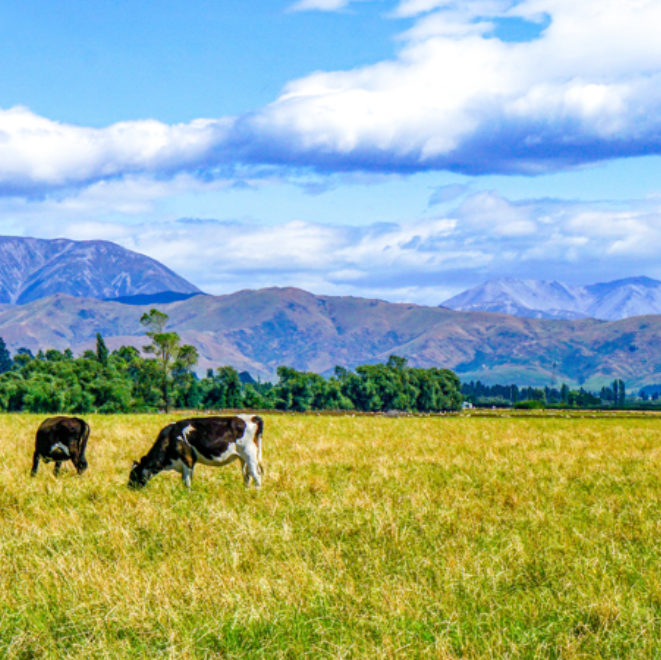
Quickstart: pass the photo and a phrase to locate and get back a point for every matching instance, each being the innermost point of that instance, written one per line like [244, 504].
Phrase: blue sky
[402, 150]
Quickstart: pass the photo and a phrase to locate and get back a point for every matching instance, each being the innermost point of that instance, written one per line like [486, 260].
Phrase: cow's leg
[250, 455]
[187, 460]
[186, 474]
[35, 463]
[259, 455]
[78, 459]
[245, 473]
[56, 469]
[79, 462]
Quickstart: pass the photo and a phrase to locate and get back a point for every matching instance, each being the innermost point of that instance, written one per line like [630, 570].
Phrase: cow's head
[140, 474]
[81, 465]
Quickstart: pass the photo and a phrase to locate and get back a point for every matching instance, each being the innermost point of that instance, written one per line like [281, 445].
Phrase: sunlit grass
[372, 538]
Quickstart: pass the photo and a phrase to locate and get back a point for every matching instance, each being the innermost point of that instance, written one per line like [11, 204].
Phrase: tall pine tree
[101, 350]
[6, 362]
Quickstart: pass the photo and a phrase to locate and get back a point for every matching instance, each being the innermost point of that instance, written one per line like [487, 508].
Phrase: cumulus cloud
[488, 212]
[458, 98]
[455, 97]
[37, 153]
[421, 260]
[426, 260]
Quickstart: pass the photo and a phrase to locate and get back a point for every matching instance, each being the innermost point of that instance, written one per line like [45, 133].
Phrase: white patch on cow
[177, 465]
[185, 432]
[249, 432]
[58, 446]
[229, 455]
[250, 452]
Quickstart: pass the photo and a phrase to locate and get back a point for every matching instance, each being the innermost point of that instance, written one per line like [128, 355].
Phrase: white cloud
[486, 211]
[424, 260]
[420, 260]
[36, 152]
[454, 97]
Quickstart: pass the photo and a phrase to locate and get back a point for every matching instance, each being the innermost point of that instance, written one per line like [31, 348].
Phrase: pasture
[449, 537]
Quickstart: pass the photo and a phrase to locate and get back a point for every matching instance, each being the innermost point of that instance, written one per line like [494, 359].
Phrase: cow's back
[215, 428]
[50, 424]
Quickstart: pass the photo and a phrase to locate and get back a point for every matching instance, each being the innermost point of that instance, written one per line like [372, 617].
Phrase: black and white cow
[61, 439]
[208, 440]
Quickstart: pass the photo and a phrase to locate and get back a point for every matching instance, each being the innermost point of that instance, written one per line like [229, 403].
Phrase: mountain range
[259, 330]
[33, 268]
[611, 301]
[60, 293]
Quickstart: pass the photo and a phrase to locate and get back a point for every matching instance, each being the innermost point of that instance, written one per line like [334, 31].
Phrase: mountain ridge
[259, 330]
[33, 268]
[610, 301]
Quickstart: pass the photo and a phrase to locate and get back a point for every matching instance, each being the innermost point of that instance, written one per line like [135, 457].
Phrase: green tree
[295, 389]
[327, 395]
[170, 355]
[222, 389]
[622, 394]
[53, 355]
[188, 391]
[23, 356]
[253, 400]
[6, 363]
[392, 383]
[101, 350]
[359, 389]
[229, 379]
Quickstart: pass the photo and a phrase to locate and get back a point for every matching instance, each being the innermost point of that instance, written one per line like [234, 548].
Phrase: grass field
[372, 538]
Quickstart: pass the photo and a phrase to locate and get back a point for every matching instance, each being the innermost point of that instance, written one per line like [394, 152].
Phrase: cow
[212, 441]
[61, 439]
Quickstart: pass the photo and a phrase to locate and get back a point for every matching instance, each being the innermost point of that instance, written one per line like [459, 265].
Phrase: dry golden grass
[372, 538]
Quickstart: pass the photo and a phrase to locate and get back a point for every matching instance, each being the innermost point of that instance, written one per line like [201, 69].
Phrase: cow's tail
[258, 441]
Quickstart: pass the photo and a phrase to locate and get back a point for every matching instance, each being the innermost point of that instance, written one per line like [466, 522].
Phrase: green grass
[372, 538]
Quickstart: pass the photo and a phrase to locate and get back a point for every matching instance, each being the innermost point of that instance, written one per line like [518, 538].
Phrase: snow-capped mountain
[32, 268]
[611, 301]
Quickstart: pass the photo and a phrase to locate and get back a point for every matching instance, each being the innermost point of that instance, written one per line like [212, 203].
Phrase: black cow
[208, 440]
[61, 439]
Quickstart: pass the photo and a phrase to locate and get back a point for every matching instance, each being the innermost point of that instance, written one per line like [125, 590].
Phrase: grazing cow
[207, 440]
[61, 439]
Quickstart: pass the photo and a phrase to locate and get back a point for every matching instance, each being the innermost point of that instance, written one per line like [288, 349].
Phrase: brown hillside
[260, 330]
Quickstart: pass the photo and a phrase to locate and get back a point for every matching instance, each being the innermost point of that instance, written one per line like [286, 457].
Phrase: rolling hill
[259, 330]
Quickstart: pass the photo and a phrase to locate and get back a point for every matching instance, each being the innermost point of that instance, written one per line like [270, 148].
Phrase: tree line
[125, 380]
[480, 394]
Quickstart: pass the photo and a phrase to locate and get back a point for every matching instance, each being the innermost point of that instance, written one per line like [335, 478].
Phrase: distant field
[455, 537]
